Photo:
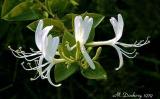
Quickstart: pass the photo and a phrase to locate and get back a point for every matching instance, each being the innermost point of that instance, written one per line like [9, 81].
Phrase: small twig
[6, 87]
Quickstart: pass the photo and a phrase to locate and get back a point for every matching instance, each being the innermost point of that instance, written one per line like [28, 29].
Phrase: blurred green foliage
[140, 75]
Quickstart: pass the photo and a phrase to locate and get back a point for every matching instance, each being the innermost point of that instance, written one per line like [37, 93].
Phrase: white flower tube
[118, 29]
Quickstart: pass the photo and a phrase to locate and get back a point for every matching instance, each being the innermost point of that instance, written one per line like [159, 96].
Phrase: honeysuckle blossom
[118, 29]
[47, 50]
[82, 30]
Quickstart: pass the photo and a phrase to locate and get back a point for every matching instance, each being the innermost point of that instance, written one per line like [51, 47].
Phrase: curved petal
[114, 22]
[86, 18]
[77, 26]
[38, 35]
[46, 31]
[49, 77]
[120, 57]
[87, 26]
[87, 57]
[117, 26]
[52, 47]
[120, 26]
[40, 69]
[45, 38]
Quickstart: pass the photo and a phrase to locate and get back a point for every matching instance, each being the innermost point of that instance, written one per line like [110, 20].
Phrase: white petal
[38, 35]
[49, 78]
[77, 26]
[120, 26]
[87, 25]
[120, 57]
[113, 21]
[52, 48]
[86, 18]
[120, 21]
[87, 57]
[45, 45]
[45, 38]
[46, 31]
[117, 26]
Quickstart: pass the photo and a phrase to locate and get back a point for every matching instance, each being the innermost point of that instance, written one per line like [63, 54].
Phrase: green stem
[78, 51]
[6, 87]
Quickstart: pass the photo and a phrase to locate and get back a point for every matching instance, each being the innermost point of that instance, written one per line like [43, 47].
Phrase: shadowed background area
[140, 75]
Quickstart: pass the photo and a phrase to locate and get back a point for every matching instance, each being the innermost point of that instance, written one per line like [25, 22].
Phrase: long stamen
[25, 67]
[120, 57]
[32, 59]
[127, 52]
[34, 68]
[35, 78]
[21, 51]
[143, 42]
[21, 54]
[136, 44]
[128, 55]
[32, 50]
[40, 74]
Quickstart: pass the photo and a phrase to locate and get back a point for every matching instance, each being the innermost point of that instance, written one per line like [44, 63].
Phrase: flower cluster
[45, 58]
[47, 46]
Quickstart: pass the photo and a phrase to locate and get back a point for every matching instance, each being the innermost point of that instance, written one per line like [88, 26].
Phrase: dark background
[140, 75]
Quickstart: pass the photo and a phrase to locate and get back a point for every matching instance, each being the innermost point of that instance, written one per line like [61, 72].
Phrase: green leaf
[8, 5]
[97, 18]
[91, 35]
[68, 37]
[62, 54]
[97, 73]
[68, 20]
[62, 71]
[56, 6]
[24, 11]
[74, 2]
[1, 2]
[58, 26]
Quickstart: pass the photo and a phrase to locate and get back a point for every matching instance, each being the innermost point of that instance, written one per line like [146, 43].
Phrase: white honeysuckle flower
[118, 29]
[82, 30]
[47, 50]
